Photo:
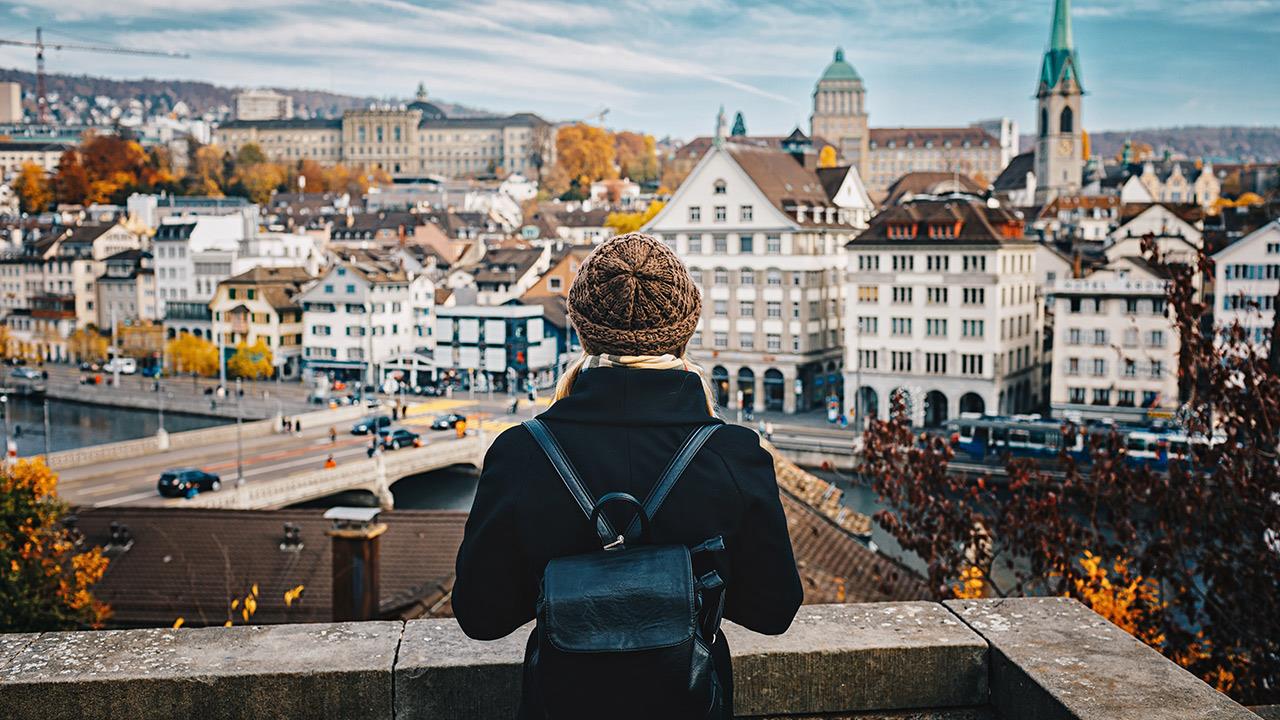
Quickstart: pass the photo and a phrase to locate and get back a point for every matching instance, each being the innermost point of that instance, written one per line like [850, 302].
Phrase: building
[1246, 282]
[761, 230]
[495, 347]
[366, 314]
[413, 141]
[127, 289]
[263, 104]
[556, 281]
[942, 311]
[16, 153]
[262, 304]
[193, 254]
[504, 274]
[1059, 147]
[882, 155]
[1176, 232]
[10, 103]
[1115, 348]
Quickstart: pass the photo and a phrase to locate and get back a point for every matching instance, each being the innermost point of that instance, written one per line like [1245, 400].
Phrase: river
[75, 425]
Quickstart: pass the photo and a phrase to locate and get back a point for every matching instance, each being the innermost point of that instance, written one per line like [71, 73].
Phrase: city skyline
[1145, 63]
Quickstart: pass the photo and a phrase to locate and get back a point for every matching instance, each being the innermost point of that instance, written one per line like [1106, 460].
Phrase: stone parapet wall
[965, 660]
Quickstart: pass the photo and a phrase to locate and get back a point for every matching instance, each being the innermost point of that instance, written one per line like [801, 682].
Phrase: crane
[42, 105]
[598, 116]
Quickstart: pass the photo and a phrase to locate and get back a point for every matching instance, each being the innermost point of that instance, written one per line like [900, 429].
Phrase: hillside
[160, 95]
[1222, 144]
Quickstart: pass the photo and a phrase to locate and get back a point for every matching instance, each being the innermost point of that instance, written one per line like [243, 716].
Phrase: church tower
[1059, 138]
[840, 113]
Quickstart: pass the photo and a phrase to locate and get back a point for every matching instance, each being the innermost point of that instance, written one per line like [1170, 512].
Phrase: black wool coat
[619, 428]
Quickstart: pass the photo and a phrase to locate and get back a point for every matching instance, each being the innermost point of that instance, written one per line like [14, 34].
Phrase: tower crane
[599, 115]
[42, 105]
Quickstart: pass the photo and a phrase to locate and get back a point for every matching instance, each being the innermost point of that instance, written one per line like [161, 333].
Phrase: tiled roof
[698, 146]
[290, 124]
[1014, 175]
[191, 563]
[88, 232]
[939, 137]
[784, 181]
[978, 224]
[930, 183]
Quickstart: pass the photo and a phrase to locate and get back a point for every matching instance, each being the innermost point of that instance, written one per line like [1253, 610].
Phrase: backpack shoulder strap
[542, 435]
[675, 468]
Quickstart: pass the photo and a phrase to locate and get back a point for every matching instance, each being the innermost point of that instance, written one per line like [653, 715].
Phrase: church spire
[1060, 37]
[1060, 62]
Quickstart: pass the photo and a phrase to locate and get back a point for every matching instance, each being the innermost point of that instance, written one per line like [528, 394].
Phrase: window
[1130, 368]
[868, 359]
[1155, 338]
[773, 244]
[746, 244]
[721, 213]
[720, 244]
[722, 339]
[935, 363]
[696, 274]
[900, 327]
[1157, 369]
[972, 328]
[1125, 398]
[695, 213]
[773, 342]
[746, 309]
[1130, 306]
[773, 276]
[231, 293]
[900, 361]
[1099, 336]
[773, 309]
[1149, 398]
[935, 328]
[975, 296]
[1101, 396]
[1131, 337]
[746, 341]
[974, 263]
[721, 308]
[1073, 366]
[351, 289]
[868, 325]
[1076, 395]
[936, 296]
[1066, 121]
[902, 295]
[868, 293]
[555, 283]
[938, 263]
[696, 340]
[695, 244]
[1073, 336]
[745, 213]
[746, 276]
[721, 276]
[1099, 368]
[720, 188]
[903, 263]
[868, 262]
[971, 364]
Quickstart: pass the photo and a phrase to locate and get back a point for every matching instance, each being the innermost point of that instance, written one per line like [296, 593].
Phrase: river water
[75, 425]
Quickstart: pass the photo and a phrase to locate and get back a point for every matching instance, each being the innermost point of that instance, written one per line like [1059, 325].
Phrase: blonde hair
[564, 385]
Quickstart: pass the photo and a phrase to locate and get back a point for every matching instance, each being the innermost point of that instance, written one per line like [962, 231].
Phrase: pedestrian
[213, 404]
[330, 463]
[515, 406]
[768, 431]
[460, 427]
[760, 427]
[333, 434]
[620, 414]
[297, 426]
[373, 445]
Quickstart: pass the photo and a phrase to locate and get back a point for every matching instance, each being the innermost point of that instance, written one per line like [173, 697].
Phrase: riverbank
[74, 424]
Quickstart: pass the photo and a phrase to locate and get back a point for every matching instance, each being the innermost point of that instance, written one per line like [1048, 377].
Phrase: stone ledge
[1054, 659]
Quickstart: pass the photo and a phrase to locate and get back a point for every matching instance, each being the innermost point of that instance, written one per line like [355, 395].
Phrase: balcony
[50, 306]
[1041, 658]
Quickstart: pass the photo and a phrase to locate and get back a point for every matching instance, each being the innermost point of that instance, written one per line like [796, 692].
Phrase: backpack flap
[639, 598]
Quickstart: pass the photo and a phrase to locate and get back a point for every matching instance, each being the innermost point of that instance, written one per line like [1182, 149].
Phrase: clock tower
[1059, 138]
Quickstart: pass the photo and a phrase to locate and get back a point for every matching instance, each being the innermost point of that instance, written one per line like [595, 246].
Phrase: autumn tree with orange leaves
[33, 188]
[46, 573]
[1187, 560]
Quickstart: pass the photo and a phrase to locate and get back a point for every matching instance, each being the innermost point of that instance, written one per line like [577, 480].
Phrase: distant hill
[201, 97]
[1221, 144]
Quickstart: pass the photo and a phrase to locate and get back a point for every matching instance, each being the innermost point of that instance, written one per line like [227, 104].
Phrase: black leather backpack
[628, 623]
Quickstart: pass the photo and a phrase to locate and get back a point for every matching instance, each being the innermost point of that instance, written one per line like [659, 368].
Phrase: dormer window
[720, 187]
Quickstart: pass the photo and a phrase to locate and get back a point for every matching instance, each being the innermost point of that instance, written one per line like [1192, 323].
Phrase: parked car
[447, 422]
[371, 423]
[396, 438]
[25, 373]
[187, 482]
[126, 366]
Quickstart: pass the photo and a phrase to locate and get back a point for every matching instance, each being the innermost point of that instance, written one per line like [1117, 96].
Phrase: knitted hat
[633, 296]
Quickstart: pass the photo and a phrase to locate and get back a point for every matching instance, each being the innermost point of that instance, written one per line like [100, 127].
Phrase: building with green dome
[840, 113]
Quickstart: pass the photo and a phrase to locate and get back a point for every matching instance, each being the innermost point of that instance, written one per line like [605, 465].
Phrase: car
[396, 438]
[25, 373]
[371, 423]
[125, 366]
[447, 422]
[187, 482]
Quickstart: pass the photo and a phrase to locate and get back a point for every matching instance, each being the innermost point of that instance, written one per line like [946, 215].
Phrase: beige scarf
[642, 362]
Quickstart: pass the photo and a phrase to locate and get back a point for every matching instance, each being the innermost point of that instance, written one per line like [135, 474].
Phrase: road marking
[127, 498]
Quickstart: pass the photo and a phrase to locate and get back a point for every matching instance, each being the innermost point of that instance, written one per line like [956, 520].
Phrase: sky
[666, 66]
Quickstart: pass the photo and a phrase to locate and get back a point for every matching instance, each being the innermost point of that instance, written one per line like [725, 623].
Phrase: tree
[250, 154]
[70, 181]
[637, 156]
[827, 157]
[251, 361]
[204, 174]
[586, 152]
[258, 182]
[46, 575]
[1193, 554]
[33, 188]
[87, 344]
[623, 223]
[6, 342]
[190, 354]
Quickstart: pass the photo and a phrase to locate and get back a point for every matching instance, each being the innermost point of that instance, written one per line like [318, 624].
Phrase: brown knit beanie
[633, 296]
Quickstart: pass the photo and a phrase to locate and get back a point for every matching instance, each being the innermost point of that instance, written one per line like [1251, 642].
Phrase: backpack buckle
[620, 542]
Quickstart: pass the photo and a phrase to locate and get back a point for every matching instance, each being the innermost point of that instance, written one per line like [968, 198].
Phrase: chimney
[356, 561]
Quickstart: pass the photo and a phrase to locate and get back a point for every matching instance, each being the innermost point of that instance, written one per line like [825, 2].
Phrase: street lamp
[239, 441]
[4, 400]
[46, 430]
